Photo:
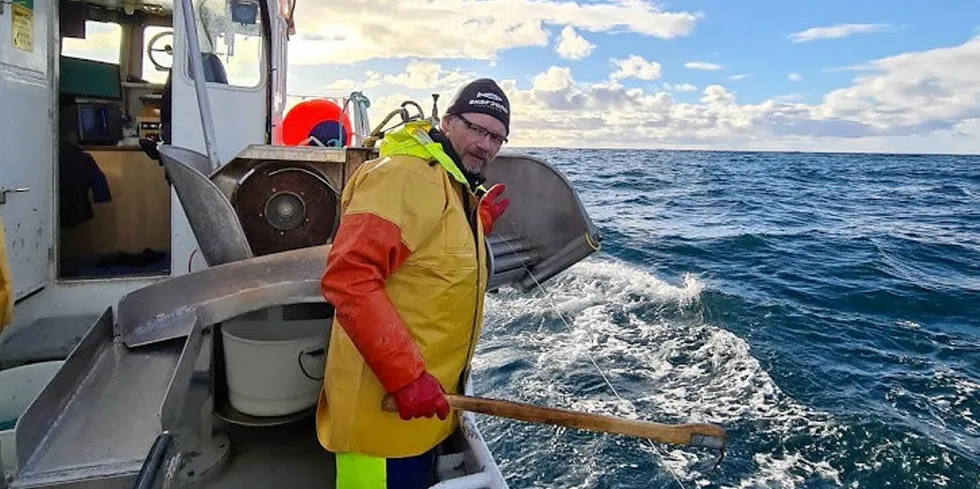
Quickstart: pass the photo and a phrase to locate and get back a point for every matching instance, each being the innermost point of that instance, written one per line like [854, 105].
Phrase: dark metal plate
[285, 206]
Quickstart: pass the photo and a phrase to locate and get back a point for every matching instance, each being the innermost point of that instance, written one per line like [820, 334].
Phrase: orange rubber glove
[491, 208]
[423, 397]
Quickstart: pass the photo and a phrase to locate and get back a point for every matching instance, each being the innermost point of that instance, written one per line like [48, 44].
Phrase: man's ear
[444, 122]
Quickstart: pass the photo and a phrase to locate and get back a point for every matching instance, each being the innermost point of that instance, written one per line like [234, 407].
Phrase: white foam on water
[592, 283]
[909, 324]
[785, 472]
[687, 370]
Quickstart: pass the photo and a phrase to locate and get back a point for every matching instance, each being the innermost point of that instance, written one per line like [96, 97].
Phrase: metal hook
[710, 441]
[721, 456]
[417, 107]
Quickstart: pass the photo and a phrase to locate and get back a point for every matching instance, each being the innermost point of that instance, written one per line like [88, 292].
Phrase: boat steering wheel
[167, 48]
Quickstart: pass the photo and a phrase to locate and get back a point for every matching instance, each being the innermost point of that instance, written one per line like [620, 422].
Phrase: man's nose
[485, 144]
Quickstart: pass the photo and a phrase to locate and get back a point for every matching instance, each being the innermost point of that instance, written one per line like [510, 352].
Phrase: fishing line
[587, 352]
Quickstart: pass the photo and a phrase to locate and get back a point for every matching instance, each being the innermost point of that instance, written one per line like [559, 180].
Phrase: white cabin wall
[27, 146]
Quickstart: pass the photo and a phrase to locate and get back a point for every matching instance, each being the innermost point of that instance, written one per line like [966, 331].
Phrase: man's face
[476, 138]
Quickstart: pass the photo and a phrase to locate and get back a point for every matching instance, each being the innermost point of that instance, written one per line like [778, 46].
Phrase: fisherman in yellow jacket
[6, 284]
[406, 275]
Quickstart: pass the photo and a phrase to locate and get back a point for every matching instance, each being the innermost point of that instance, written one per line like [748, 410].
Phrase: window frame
[264, 59]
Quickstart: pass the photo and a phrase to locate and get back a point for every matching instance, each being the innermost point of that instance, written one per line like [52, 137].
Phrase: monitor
[86, 78]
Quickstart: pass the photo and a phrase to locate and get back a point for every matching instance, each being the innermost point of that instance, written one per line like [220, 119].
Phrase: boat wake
[666, 362]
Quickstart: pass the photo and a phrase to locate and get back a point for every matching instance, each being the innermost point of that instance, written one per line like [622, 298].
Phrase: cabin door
[27, 140]
[235, 58]
[236, 65]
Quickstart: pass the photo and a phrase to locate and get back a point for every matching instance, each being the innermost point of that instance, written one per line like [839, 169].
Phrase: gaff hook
[710, 441]
[690, 434]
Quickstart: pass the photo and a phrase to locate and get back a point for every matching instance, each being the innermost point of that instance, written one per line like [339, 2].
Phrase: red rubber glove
[422, 397]
[491, 208]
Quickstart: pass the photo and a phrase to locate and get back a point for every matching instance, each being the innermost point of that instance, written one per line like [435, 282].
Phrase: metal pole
[200, 83]
[147, 476]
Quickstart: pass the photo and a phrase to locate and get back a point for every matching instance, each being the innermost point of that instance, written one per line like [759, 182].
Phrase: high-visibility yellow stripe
[357, 471]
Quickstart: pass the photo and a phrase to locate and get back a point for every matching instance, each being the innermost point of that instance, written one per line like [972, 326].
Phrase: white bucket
[19, 386]
[265, 362]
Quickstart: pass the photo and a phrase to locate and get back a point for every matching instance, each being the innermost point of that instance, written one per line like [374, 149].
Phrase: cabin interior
[113, 90]
[113, 200]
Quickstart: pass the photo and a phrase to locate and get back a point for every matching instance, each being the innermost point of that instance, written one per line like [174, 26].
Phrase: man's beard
[475, 163]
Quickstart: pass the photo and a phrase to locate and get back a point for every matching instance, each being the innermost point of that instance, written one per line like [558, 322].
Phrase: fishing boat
[166, 248]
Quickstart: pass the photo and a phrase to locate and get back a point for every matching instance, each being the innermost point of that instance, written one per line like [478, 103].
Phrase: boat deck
[274, 456]
[96, 422]
[50, 338]
[157, 372]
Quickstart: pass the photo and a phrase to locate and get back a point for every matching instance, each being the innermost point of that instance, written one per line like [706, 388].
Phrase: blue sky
[872, 75]
[869, 75]
[751, 37]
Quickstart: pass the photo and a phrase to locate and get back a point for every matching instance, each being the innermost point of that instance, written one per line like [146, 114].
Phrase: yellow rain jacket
[6, 284]
[406, 275]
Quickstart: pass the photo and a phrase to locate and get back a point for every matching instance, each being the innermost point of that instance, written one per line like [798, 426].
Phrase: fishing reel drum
[285, 206]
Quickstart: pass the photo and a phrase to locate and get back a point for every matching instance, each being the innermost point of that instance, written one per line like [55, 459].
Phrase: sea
[824, 309]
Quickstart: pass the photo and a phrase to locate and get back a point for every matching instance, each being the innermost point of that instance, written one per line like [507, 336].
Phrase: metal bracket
[5, 191]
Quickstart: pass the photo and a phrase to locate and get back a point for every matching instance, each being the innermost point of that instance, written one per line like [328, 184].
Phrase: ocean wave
[822, 308]
[667, 364]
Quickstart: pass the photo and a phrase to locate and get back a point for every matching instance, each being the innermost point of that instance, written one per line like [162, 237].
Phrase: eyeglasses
[483, 132]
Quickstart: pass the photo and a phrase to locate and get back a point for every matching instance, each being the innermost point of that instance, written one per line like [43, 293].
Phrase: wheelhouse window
[102, 43]
[157, 63]
[230, 33]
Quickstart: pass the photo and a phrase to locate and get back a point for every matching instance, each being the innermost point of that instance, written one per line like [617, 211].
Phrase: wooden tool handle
[696, 434]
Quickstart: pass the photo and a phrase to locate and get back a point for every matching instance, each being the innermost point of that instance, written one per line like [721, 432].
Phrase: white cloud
[739, 77]
[794, 77]
[700, 65]
[913, 92]
[428, 74]
[967, 128]
[635, 67]
[835, 31]
[919, 101]
[418, 74]
[347, 85]
[924, 101]
[349, 31]
[680, 87]
[717, 95]
[573, 46]
[790, 97]
[841, 68]
[555, 79]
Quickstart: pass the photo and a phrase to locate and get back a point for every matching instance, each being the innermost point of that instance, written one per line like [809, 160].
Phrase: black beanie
[483, 96]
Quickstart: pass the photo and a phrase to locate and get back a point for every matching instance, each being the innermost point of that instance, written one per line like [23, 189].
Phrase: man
[406, 275]
[6, 284]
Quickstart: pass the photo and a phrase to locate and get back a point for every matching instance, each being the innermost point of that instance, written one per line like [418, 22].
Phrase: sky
[899, 76]
[833, 75]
